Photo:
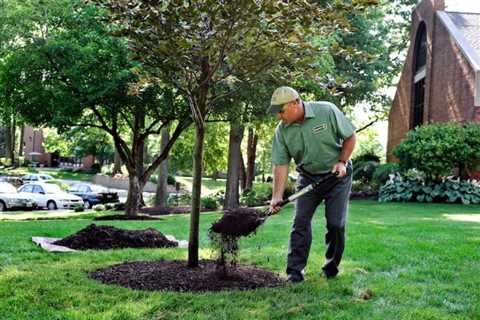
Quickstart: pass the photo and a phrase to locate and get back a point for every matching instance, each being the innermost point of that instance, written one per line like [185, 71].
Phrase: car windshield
[46, 177]
[7, 188]
[52, 188]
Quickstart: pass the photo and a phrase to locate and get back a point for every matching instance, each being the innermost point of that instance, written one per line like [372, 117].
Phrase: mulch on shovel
[176, 276]
[108, 237]
[237, 223]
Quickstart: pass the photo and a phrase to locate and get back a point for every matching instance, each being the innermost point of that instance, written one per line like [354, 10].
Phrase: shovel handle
[303, 191]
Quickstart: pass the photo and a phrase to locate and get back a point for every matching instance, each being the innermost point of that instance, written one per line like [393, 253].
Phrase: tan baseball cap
[281, 96]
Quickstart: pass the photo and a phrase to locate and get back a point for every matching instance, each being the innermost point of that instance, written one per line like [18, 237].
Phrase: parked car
[50, 196]
[37, 177]
[15, 181]
[11, 199]
[92, 194]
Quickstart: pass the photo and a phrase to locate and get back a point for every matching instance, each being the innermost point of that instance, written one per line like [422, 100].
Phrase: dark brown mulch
[160, 210]
[126, 217]
[176, 276]
[238, 222]
[108, 237]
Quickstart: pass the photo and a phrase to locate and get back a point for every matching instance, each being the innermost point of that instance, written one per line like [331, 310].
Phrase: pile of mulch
[108, 237]
[176, 276]
[126, 217]
[238, 222]
[160, 210]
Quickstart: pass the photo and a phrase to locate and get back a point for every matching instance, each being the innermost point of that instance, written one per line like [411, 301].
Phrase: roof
[469, 25]
[464, 27]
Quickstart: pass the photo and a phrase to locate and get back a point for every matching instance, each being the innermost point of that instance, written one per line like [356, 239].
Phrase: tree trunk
[234, 165]
[117, 163]
[8, 140]
[196, 189]
[251, 155]
[13, 135]
[162, 193]
[242, 174]
[20, 146]
[134, 198]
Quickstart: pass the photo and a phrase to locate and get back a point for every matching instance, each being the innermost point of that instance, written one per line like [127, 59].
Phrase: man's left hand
[340, 168]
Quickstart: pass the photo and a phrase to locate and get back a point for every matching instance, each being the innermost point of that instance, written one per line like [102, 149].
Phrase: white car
[37, 177]
[50, 196]
[11, 199]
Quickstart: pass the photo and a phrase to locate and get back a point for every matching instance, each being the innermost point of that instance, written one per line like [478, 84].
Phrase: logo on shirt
[319, 128]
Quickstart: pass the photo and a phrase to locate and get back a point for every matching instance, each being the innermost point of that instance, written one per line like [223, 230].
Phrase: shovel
[246, 222]
[314, 185]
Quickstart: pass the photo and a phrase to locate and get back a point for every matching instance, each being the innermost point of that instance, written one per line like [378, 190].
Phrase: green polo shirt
[315, 143]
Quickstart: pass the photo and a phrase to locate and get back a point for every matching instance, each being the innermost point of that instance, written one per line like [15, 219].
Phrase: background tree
[76, 74]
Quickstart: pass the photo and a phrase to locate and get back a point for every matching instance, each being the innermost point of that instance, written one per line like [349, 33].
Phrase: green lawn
[419, 261]
[56, 173]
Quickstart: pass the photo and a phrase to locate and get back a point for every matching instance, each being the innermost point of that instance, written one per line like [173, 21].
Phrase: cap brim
[275, 108]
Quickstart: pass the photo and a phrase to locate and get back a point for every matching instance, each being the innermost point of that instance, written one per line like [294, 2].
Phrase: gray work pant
[336, 194]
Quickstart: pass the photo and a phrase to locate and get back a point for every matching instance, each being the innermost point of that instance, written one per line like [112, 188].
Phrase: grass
[209, 186]
[56, 173]
[419, 261]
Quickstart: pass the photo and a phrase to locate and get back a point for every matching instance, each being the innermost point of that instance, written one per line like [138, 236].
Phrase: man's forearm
[280, 176]
[348, 147]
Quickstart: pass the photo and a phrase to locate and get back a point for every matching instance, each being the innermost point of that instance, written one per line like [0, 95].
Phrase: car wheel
[87, 204]
[51, 205]
[3, 207]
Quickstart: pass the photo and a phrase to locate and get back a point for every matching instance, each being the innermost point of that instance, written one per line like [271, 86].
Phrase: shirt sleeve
[280, 155]
[343, 125]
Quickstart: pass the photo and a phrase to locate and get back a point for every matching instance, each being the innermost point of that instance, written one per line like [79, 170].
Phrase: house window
[420, 71]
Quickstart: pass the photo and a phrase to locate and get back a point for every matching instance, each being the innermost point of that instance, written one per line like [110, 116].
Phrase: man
[320, 139]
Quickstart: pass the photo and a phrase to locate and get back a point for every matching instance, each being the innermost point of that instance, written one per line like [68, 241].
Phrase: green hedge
[437, 149]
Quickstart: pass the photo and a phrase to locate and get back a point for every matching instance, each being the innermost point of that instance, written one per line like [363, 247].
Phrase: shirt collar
[307, 108]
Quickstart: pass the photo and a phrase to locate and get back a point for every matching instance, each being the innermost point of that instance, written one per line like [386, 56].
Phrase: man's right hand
[274, 205]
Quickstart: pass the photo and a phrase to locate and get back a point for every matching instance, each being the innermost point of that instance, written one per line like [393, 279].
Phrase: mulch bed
[127, 217]
[159, 210]
[176, 276]
[108, 237]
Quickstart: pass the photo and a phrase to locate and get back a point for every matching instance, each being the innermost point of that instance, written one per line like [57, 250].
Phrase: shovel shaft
[303, 191]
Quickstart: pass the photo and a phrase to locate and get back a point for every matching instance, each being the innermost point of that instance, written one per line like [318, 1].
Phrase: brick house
[440, 80]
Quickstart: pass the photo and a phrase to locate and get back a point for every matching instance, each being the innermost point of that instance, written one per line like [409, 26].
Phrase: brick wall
[449, 87]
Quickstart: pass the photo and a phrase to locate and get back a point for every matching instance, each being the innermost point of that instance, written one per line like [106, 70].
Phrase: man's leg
[301, 234]
[336, 210]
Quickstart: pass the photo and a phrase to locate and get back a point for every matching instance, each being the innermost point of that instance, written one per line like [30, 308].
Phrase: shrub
[79, 208]
[95, 168]
[439, 148]
[219, 196]
[249, 198]
[109, 206]
[413, 186]
[153, 179]
[363, 171]
[382, 173]
[171, 180]
[99, 207]
[180, 199]
[259, 194]
[368, 156]
[209, 203]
